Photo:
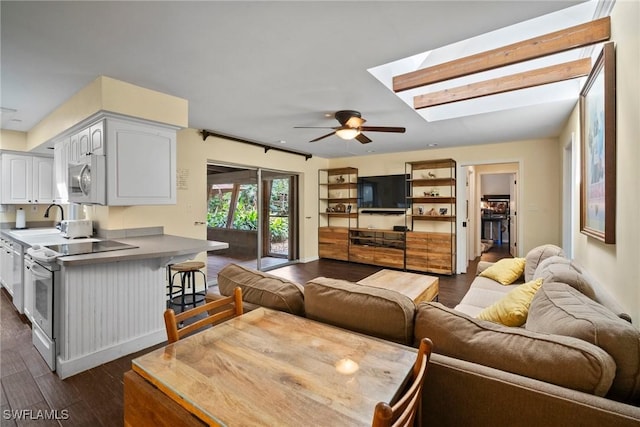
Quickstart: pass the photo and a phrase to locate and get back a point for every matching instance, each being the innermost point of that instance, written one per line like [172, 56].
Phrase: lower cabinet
[430, 252]
[333, 243]
[378, 247]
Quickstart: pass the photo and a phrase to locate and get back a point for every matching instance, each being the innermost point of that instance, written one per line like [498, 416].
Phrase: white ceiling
[255, 70]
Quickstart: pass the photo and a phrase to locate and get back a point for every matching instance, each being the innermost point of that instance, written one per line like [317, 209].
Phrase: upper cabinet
[140, 159]
[91, 140]
[61, 159]
[141, 163]
[27, 179]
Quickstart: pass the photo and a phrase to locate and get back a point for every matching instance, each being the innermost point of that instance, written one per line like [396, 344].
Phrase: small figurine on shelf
[431, 175]
[340, 179]
[433, 212]
[443, 211]
[420, 210]
[435, 192]
[348, 208]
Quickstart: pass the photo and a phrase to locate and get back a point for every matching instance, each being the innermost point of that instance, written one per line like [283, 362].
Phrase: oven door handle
[38, 270]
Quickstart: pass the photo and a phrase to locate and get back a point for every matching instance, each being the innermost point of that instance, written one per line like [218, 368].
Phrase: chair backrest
[218, 310]
[403, 412]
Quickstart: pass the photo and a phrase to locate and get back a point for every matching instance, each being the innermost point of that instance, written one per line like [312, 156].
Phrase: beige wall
[616, 266]
[107, 94]
[13, 140]
[17, 141]
[539, 183]
[193, 154]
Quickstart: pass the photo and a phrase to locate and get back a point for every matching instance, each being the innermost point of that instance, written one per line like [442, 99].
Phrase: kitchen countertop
[156, 246]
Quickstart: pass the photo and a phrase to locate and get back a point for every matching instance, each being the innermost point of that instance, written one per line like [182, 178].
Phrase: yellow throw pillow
[513, 308]
[505, 271]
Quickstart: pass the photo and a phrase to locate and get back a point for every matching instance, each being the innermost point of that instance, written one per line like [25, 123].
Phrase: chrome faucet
[46, 213]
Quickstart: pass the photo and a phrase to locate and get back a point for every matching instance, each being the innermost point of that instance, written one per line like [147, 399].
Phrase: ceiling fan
[351, 127]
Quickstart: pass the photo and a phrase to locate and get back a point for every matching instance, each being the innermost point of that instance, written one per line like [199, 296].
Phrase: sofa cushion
[512, 309]
[564, 361]
[536, 255]
[560, 269]
[373, 311]
[505, 271]
[482, 293]
[262, 288]
[558, 308]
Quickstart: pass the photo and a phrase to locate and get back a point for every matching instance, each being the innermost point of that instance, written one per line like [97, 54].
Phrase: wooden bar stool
[178, 294]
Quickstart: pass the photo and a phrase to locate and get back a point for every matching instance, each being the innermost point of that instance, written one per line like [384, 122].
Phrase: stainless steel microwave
[87, 182]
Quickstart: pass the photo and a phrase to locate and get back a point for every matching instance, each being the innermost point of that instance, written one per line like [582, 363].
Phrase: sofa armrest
[457, 392]
[482, 266]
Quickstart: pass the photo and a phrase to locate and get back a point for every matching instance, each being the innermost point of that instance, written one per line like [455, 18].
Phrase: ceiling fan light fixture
[347, 133]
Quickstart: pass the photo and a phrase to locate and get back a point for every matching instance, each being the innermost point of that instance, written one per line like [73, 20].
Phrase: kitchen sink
[35, 231]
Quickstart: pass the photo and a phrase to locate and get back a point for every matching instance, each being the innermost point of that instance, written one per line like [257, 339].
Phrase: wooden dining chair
[216, 311]
[403, 413]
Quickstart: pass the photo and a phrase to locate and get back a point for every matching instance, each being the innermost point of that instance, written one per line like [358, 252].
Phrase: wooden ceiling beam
[559, 41]
[540, 76]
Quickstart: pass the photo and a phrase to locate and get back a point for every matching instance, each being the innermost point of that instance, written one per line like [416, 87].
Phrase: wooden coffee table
[418, 287]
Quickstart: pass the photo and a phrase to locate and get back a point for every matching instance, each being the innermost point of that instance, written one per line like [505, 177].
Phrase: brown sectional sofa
[484, 373]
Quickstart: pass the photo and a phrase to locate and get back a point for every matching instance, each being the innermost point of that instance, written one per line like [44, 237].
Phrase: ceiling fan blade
[355, 122]
[322, 137]
[315, 127]
[383, 129]
[363, 138]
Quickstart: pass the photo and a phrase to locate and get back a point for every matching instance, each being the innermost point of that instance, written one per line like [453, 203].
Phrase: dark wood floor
[95, 397]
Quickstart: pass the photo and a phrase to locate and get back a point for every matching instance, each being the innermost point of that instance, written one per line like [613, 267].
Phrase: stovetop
[82, 248]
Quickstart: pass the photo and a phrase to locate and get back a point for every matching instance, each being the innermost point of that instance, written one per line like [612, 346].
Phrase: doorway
[478, 235]
[255, 211]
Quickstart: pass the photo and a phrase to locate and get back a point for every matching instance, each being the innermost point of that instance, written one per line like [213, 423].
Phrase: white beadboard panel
[109, 303]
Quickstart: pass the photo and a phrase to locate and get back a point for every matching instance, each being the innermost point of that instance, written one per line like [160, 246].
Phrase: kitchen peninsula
[110, 304]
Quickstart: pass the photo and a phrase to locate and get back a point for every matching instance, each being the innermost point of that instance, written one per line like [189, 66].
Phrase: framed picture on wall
[598, 149]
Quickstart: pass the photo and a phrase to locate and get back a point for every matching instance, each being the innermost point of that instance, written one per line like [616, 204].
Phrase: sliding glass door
[255, 211]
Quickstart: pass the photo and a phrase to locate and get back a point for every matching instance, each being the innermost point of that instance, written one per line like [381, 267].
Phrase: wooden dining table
[268, 368]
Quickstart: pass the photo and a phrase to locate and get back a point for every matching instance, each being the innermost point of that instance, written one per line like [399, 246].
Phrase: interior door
[513, 215]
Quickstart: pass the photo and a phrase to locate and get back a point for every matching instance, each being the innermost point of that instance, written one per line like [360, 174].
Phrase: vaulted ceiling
[256, 70]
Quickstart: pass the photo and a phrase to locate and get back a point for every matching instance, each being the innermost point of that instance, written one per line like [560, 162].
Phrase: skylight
[561, 91]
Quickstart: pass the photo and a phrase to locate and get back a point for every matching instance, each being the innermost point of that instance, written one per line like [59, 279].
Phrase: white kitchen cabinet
[3, 263]
[6, 259]
[26, 179]
[17, 178]
[43, 181]
[61, 158]
[91, 140]
[74, 148]
[141, 163]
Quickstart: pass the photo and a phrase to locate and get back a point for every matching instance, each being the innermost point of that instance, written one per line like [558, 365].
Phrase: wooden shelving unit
[430, 243]
[378, 247]
[337, 210]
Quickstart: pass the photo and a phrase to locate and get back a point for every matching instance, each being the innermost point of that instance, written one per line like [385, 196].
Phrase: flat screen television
[384, 191]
